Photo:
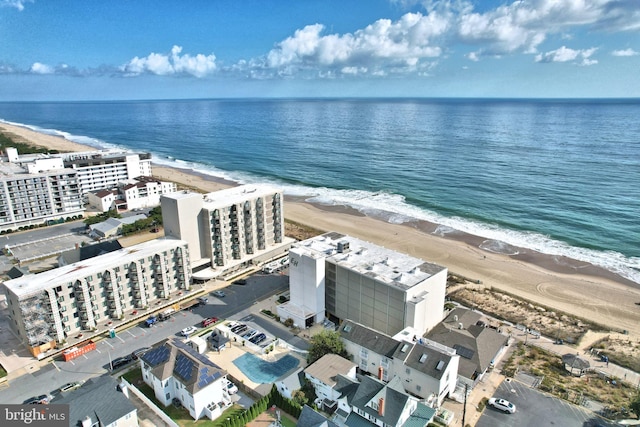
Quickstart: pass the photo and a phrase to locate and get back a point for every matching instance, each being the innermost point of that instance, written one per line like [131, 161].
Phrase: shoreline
[559, 283]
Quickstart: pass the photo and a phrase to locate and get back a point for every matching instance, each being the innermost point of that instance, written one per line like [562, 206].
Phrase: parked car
[258, 338]
[121, 362]
[231, 387]
[188, 331]
[151, 321]
[203, 300]
[237, 327]
[252, 333]
[139, 352]
[218, 294]
[70, 386]
[502, 405]
[240, 282]
[209, 321]
[42, 399]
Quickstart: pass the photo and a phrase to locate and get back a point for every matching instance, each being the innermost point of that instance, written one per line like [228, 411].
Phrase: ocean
[561, 177]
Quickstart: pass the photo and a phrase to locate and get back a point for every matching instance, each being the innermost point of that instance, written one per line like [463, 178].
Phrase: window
[418, 388]
[408, 371]
[364, 353]
[168, 396]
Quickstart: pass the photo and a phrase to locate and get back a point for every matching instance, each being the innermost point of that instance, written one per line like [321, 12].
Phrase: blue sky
[163, 49]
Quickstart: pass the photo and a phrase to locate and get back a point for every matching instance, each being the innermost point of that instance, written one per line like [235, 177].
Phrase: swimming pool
[263, 372]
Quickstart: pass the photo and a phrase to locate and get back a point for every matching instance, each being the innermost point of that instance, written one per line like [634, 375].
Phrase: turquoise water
[262, 372]
[556, 176]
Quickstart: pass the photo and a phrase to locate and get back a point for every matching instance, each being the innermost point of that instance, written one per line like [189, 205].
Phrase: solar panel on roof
[206, 377]
[183, 367]
[463, 351]
[157, 355]
[191, 352]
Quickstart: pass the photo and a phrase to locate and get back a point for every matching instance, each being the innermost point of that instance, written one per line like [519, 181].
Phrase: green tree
[299, 397]
[634, 406]
[326, 342]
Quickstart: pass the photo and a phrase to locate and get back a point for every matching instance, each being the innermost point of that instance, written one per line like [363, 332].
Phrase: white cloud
[384, 44]
[565, 54]
[625, 52]
[39, 68]
[174, 63]
[18, 4]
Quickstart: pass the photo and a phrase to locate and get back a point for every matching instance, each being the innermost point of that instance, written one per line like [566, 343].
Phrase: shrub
[288, 323]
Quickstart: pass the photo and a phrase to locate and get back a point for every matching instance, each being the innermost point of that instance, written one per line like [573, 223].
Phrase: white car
[231, 387]
[502, 404]
[188, 331]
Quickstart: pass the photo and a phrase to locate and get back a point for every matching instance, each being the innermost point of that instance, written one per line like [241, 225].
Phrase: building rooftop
[368, 338]
[233, 195]
[476, 344]
[32, 284]
[173, 357]
[328, 367]
[386, 265]
[99, 400]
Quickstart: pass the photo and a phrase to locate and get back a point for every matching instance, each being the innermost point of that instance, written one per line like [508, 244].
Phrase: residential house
[310, 418]
[479, 345]
[176, 371]
[323, 375]
[291, 383]
[101, 401]
[425, 368]
[383, 404]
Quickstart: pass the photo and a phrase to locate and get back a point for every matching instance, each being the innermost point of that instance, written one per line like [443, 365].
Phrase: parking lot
[535, 409]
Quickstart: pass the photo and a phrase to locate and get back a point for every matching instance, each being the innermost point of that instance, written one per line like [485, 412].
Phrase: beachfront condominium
[39, 188]
[342, 277]
[47, 308]
[228, 230]
[105, 169]
[30, 197]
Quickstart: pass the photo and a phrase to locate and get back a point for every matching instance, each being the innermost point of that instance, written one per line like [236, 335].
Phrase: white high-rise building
[49, 307]
[230, 229]
[30, 197]
[342, 277]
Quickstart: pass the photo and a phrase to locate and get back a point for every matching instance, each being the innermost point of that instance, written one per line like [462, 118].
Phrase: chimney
[380, 372]
[87, 422]
[124, 389]
[381, 407]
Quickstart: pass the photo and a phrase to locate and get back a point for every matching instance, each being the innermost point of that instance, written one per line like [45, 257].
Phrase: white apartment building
[342, 277]
[33, 199]
[47, 308]
[105, 169]
[38, 188]
[176, 371]
[230, 229]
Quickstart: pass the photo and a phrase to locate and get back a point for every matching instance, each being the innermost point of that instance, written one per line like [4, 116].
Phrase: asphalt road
[95, 363]
[536, 409]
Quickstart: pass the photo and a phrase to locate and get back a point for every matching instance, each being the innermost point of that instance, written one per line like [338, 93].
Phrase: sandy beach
[567, 285]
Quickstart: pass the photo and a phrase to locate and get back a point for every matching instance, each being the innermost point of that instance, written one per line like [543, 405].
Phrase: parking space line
[55, 366]
[98, 350]
[119, 338]
[129, 332]
[107, 343]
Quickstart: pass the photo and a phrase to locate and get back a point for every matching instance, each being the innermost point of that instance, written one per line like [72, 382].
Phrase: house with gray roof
[176, 371]
[425, 368]
[479, 346]
[112, 226]
[99, 402]
[310, 418]
[88, 251]
[385, 404]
